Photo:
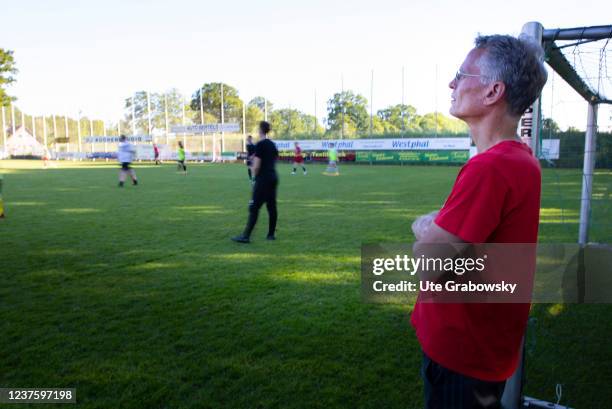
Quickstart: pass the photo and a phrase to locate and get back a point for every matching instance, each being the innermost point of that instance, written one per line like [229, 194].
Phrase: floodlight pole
[243, 127]
[79, 131]
[45, 131]
[590, 144]
[315, 113]
[342, 102]
[67, 134]
[403, 89]
[104, 134]
[202, 122]
[166, 117]
[12, 119]
[222, 122]
[3, 128]
[91, 131]
[54, 133]
[133, 115]
[149, 113]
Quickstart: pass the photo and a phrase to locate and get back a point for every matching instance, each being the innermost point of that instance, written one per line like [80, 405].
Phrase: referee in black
[250, 147]
[266, 182]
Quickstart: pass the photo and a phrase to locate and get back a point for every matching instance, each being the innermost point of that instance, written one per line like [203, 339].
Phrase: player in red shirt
[298, 159]
[471, 349]
[156, 154]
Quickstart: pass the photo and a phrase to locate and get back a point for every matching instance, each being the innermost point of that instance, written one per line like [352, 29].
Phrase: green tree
[262, 103]
[550, 126]
[211, 102]
[175, 102]
[7, 70]
[432, 122]
[396, 118]
[291, 122]
[253, 115]
[347, 110]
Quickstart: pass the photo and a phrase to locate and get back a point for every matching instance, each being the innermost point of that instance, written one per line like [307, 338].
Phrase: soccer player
[156, 153]
[471, 349]
[332, 155]
[266, 182]
[181, 158]
[125, 156]
[250, 146]
[298, 159]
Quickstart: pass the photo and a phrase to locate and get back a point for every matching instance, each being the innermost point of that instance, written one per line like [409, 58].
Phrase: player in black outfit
[250, 147]
[266, 182]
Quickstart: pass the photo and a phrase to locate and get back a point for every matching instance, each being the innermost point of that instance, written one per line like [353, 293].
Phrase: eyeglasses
[460, 74]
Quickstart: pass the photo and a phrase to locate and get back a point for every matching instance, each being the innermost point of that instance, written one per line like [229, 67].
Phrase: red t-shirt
[297, 157]
[495, 199]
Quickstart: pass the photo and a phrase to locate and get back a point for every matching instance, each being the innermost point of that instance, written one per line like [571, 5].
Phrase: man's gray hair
[518, 63]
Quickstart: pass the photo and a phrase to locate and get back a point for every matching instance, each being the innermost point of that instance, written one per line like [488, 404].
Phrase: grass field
[137, 297]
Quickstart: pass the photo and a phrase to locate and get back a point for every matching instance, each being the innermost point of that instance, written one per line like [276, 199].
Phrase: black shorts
[125, 165]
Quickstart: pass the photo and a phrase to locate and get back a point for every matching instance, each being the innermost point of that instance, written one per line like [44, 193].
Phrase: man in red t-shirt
[298, 159]
[470, 349]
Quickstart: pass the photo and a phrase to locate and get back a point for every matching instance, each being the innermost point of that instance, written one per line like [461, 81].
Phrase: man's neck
[489, 131]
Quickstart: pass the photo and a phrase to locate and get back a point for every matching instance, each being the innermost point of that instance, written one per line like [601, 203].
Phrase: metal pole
[403, 115]
[529, 124]
[54, 133]
[133, 115]
[79, 131]
[91, 132]
[436, 101]
[150, 131]
[590, 146]
[202, 121]
[67, 134]
[342, 102]
[265, 109]
[222, 122]
[166, 117]
[371, 100]
[13, 119]
[3, 129]
[183, 123]
[45, 131]
[315, 112]
[243, 126]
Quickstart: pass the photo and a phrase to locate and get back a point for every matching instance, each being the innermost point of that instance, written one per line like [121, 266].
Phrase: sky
[89, 56]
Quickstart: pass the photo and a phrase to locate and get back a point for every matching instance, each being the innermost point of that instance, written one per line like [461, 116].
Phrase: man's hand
[434, 242]
[422, 224]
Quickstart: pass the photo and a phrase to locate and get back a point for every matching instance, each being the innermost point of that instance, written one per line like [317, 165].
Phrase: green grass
[137, 297]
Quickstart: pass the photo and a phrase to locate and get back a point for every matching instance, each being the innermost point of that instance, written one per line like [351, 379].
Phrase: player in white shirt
[125, 155]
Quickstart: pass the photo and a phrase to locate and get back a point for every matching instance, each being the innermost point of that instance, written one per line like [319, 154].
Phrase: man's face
[468, 91]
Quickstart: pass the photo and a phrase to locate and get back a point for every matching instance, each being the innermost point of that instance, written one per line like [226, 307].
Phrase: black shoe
[241, 239]
[135, 183]
[270, 237]
[120, 184]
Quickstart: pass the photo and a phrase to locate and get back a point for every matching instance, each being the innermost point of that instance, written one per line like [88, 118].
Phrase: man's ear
[495, 92]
